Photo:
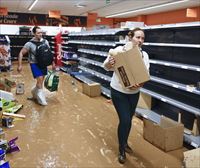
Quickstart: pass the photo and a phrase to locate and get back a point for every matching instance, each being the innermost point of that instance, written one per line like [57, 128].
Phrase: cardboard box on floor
[191, 158]
[145, 101]
[130, 68]
[168, 135]
[4, 86]
[92, 89]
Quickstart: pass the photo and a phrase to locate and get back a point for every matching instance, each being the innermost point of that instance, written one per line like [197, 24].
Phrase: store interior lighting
[32, 5]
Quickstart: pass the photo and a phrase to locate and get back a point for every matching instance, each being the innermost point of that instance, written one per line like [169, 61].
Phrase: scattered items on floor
[3, 162]
[7, 104]
[12, 147]
[6, 95]
[2, 133]
[3, 144]
[20, 88]
[7, 122]
[91, 89]
[51, 81]
[14, 109]
[14, 115]
[10, 82]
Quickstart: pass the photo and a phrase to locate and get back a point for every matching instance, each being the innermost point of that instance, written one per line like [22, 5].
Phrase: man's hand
[19, 68]
[3, 51]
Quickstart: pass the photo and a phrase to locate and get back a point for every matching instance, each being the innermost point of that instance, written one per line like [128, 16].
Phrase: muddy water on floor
[77, 131]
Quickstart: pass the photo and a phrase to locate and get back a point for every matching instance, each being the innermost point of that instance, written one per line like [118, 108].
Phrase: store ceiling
[102, 7]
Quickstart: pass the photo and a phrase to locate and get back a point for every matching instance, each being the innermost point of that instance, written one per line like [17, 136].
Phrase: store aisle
[77, 131]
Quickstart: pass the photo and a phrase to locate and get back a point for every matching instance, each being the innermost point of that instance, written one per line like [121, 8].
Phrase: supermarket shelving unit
[174, 51]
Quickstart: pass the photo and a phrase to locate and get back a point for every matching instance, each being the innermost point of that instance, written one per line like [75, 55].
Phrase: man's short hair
[35, 28]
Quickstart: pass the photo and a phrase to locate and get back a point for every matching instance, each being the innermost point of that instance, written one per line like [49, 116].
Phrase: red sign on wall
[3, 11]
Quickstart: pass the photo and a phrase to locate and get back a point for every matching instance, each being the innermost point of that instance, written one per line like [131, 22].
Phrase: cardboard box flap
[168, 123]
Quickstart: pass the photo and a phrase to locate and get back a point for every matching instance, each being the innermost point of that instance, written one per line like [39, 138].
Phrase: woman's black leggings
[125, 105]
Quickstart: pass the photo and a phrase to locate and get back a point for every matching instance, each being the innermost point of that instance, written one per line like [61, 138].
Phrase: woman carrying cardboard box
[125, 99]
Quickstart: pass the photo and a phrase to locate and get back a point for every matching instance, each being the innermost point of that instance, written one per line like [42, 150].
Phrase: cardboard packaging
[168, 135]
[130, 67]
[4, 86]
[92, 90]
[191, 158]
[145, 101]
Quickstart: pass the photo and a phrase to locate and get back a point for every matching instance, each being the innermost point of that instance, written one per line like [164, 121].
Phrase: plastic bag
[51, 81]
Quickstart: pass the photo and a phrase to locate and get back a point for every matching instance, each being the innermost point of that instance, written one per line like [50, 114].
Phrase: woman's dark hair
[35, 28]
[132, 32]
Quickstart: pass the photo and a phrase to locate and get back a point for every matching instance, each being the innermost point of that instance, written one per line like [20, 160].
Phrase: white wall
[50, 30]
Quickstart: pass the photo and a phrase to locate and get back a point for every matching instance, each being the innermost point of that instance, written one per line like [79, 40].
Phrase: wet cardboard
[130, 67]
[4, 86]
[145, 101]
[92, 89]
[191, 158]
[168, 135]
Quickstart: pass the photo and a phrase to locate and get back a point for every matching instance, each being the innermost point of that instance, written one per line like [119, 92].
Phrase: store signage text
[9, 19]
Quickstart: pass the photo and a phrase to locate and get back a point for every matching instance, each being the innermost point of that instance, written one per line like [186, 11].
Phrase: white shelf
[177, 25]
[97, 74]
[64, 43]
[92, 42]
[172, 45]
[176, 65]
[173, 102]
[94, 52]
[91, 61]
[65, 38]
[96, 32]
[65, 47]
[174, 84]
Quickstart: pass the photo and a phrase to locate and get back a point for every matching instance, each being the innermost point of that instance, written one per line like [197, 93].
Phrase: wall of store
[177, 16]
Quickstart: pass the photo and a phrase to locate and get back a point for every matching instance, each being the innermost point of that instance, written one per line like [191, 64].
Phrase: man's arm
[21, 54]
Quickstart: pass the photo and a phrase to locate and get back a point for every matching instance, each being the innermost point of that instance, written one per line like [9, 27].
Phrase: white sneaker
[41, 97]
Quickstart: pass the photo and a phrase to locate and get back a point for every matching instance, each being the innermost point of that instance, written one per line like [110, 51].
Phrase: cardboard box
[4, 86]
[145, 101]
[167, 135]
[191, 158]
[92, 90]
[130, 67]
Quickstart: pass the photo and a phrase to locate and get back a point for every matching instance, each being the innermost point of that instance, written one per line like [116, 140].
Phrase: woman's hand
[111, 61]
[136, 86]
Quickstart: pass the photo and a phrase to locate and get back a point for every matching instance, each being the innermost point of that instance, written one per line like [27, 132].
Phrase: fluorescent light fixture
[145, 9]
[80, 6]
[33, 4]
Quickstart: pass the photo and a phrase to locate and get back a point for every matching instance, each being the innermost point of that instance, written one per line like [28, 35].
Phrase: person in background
[37, 72]
[125, 100]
